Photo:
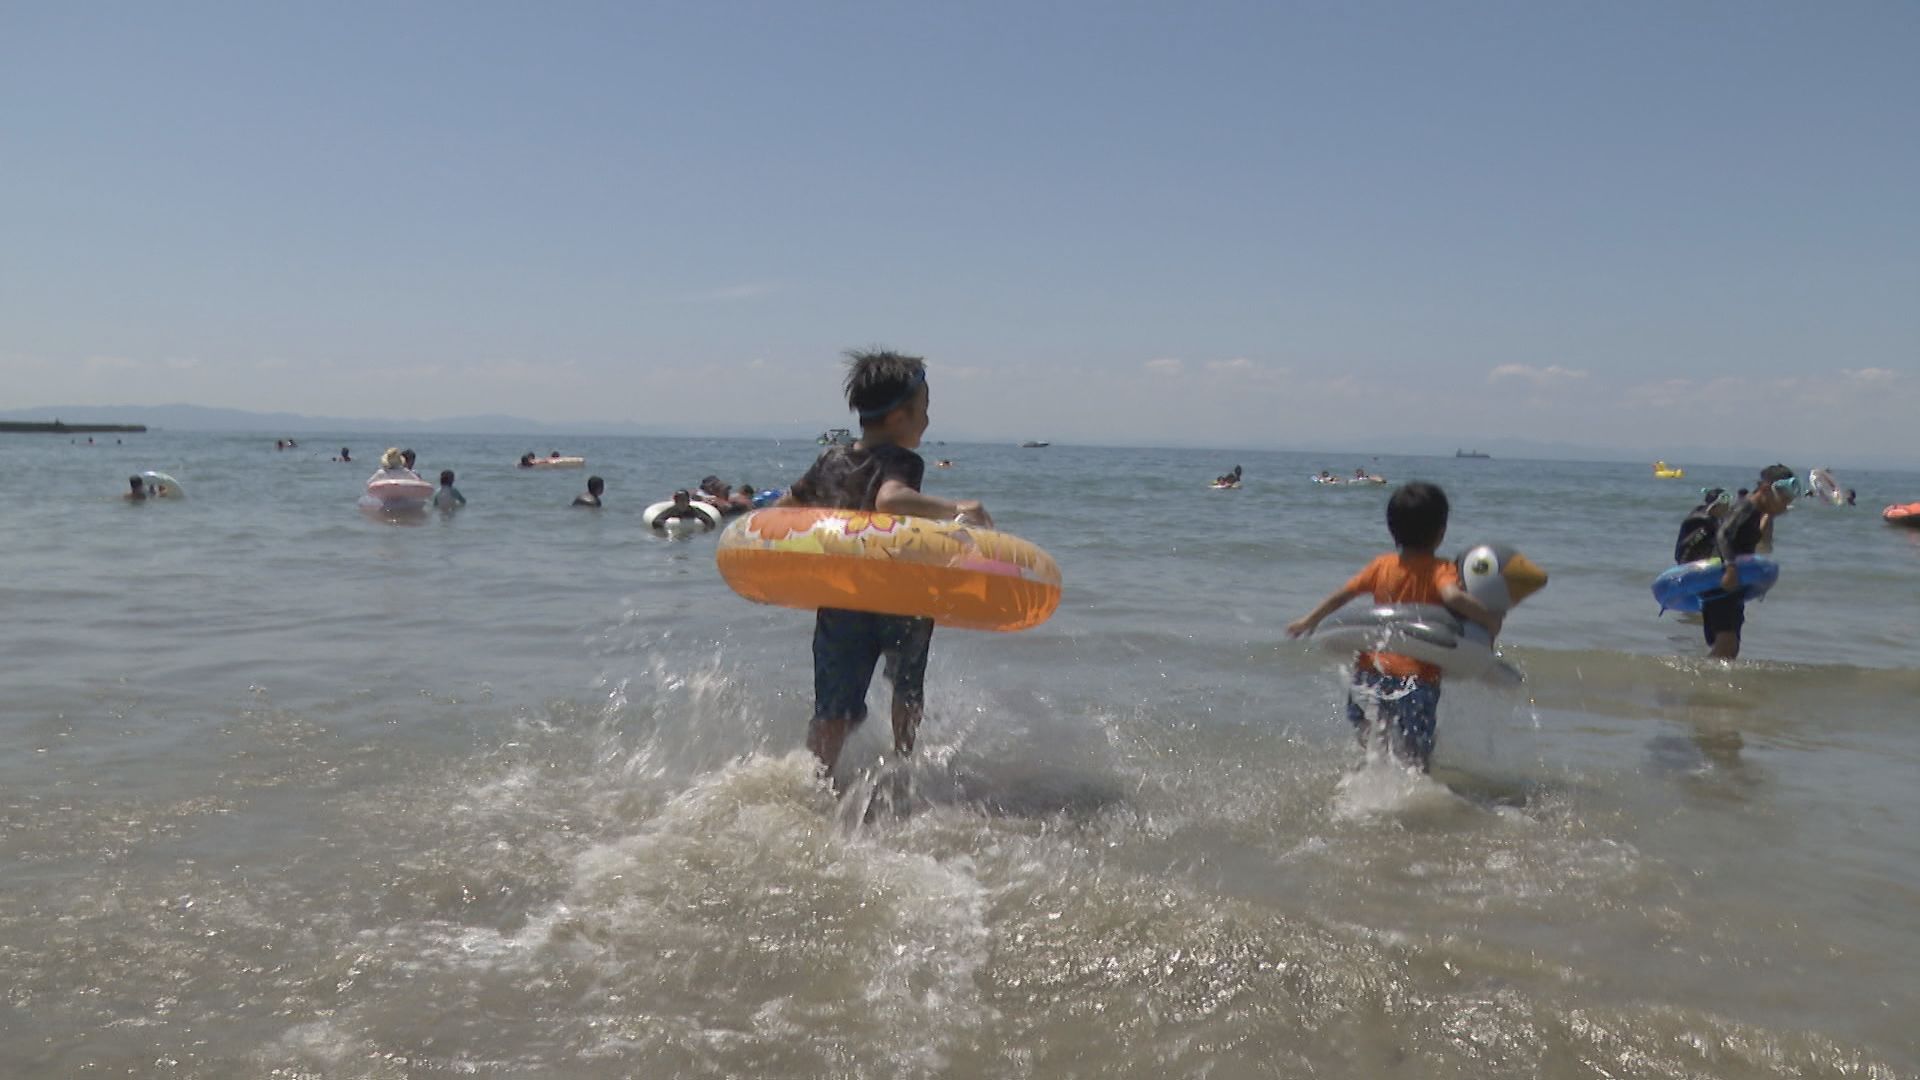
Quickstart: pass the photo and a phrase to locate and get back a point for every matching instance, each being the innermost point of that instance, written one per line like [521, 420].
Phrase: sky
[1265, 224]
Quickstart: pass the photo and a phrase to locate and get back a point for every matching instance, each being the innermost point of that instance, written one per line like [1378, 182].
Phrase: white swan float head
[1499, 576]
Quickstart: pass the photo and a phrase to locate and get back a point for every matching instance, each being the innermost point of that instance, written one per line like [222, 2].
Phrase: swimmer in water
[591, 499]
[682, 508]
[448, 497]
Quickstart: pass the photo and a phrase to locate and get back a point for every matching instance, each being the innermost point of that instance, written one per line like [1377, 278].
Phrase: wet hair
[135, 482]
[683, 493]
[1417, 514]
[409, 456]
[596, 485]
[1772, 473]
[446, 476]
[881, 380]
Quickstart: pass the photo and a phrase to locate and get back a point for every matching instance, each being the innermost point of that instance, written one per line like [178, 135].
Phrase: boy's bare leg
[906, 724]
[1726, 646]
[825, 736]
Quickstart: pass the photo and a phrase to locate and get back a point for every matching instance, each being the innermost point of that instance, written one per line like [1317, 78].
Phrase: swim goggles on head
[913, 387]
[1789, 486]
[1716, 496]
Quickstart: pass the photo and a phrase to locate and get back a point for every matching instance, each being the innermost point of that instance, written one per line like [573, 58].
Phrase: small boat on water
[835, 437]
[1033, 445]
[1470, 454]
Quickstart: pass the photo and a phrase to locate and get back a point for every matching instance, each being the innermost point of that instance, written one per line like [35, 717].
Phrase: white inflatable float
[1825, 488]
[397, 493]
[1497, 576]
[702, 518]
[159, 483]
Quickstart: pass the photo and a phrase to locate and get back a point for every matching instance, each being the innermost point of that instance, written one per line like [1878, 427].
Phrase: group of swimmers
[1360, 476]
[398, 464]
[143, 490]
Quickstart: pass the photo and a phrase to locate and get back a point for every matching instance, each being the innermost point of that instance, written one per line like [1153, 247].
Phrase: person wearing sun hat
[393, 466]
[1747, 529]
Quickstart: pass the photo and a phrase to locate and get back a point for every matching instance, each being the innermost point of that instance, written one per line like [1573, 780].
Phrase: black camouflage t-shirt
[1741, 532]
[849, 478]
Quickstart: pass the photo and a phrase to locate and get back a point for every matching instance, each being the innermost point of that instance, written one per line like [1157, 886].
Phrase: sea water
[293, 791]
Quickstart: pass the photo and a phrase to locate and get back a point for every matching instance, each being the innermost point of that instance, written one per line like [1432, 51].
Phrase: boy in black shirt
[879, 472]
[1744, 531]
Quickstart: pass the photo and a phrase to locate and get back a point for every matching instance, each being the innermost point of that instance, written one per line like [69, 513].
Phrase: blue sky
[1236, 224]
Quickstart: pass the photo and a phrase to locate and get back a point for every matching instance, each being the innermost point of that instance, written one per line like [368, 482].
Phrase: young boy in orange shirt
[1402, 691]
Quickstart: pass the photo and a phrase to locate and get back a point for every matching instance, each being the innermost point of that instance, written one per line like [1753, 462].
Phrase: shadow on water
[1023, 790]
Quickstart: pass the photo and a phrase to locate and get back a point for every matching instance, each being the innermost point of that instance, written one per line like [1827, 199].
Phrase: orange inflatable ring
[957, 575]
[1902, 515]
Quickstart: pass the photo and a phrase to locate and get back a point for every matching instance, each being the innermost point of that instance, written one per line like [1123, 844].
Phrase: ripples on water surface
[519, 792]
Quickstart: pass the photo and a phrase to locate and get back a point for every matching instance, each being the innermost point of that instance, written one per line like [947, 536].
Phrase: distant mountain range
[203, 418]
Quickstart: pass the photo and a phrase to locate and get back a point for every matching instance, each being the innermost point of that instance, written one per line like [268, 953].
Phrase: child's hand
[1301, 627]
[972, 513]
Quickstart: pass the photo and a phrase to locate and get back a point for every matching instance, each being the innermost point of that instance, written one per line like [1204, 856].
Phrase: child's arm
[897, 498]
[1462, 603]
[1306, 623]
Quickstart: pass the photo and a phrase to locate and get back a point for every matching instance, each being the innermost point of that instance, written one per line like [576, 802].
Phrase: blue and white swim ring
[1683, 587]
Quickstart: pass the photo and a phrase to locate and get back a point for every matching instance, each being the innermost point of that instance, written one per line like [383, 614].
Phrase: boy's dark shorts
[1409, 705]
[1722, 613]
[847, 644]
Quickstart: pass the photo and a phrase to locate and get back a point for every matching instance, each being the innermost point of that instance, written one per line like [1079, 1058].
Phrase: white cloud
[273, 363]
[182, 363]
[100, 364]
[1238, 363]
[1872, 374]
[519, 372]
[1538, 376]
[1166, 365]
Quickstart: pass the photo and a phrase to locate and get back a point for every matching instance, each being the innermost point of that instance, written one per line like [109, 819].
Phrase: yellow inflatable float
[1666, 472]
[957, 575]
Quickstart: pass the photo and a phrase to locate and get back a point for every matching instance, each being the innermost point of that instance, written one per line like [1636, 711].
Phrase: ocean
[520, 792]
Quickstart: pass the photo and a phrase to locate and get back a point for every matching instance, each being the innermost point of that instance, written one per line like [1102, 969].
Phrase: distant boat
[1470, 454]
[835, 437]
[1033, 445]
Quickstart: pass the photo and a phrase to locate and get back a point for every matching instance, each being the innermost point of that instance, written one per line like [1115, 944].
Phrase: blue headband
[913, 387]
